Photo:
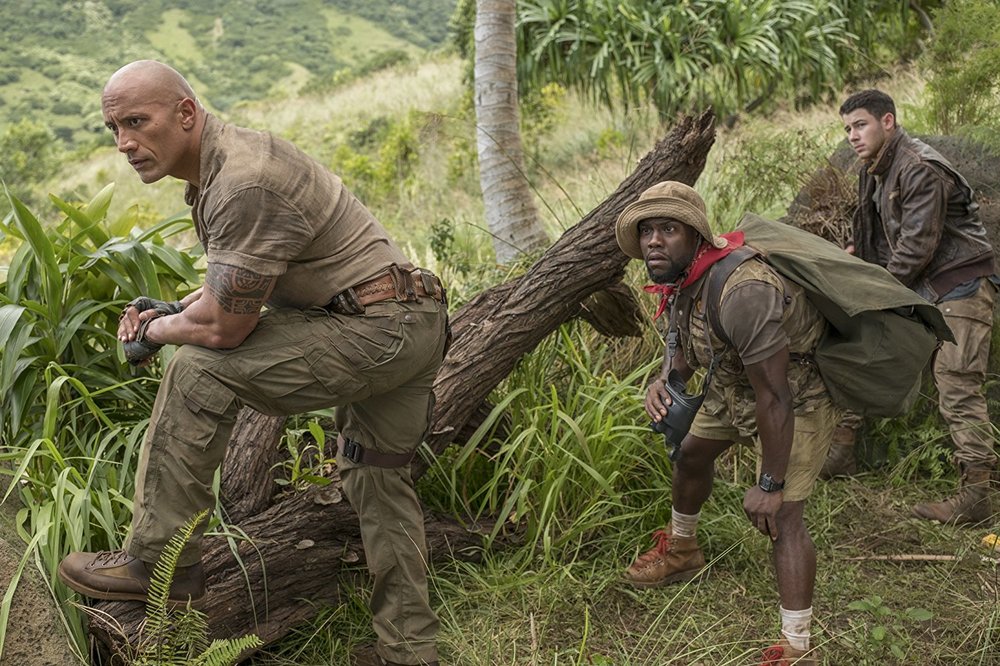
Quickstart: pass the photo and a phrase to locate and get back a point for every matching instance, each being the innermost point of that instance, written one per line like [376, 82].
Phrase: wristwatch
[768, 484]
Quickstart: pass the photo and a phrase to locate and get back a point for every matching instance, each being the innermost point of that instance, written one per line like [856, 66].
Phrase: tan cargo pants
[959, 373]
[378, 369]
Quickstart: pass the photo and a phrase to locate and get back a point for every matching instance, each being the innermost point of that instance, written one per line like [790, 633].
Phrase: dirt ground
[35, 636]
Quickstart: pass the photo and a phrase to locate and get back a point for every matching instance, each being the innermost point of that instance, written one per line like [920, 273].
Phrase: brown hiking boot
[969, 506]
[840, 460]
[672, 560]
[118, 576]
[783, 654]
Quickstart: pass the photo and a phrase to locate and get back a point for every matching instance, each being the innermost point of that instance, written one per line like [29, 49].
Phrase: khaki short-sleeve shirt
[761, 312]
[264, 205]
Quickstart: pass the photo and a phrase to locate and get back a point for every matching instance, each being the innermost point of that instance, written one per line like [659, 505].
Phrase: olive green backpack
[881, 335]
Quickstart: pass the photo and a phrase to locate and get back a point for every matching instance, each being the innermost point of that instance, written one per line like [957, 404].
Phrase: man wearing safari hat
[756, 392]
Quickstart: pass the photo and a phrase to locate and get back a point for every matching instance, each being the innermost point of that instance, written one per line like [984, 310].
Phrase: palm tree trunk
[510, 209]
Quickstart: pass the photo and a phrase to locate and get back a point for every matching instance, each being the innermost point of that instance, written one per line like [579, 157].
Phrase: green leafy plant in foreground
[72, 416]
[881, 631]
[306, 460]
[179, 636]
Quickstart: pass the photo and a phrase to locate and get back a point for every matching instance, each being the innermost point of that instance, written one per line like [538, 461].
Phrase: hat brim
[627, 227]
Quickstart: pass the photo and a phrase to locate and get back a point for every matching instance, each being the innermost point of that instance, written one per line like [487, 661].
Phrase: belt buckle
[353, 451]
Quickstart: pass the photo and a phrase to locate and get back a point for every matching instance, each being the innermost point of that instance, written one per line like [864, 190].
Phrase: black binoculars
[675, 425]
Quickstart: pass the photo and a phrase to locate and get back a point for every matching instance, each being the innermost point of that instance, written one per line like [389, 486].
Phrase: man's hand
[141, 310]
[140, 351]
[658, 400]
[762, 508]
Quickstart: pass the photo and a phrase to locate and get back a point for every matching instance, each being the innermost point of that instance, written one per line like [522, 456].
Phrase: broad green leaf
[88, 224]
[919, 614]
[74, 319]
[97, 208]
[34, 234]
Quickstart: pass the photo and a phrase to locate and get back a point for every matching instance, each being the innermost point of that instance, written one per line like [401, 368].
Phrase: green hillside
[57, 55]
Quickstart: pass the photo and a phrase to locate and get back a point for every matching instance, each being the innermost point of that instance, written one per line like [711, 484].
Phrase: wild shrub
[72, 415]
[964, 77]
[381, 159]
[28, 154]
[761, 172]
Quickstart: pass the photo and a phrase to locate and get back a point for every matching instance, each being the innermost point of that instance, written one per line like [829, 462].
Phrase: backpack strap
[721, 271]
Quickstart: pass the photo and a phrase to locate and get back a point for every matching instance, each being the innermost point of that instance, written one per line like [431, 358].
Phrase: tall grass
[71, 414]
[576, 446]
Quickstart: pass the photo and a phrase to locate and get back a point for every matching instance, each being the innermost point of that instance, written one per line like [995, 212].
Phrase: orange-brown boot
[671, 560]
[970, 505]
[783, 654]
[840, 460]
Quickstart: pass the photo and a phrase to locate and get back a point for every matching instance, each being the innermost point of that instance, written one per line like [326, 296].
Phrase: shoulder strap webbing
[721, 271]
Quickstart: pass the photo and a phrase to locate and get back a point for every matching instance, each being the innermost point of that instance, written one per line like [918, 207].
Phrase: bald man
[350, 323]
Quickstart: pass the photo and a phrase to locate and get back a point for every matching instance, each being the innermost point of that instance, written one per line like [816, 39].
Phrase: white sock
[682, 524]
[795, 626]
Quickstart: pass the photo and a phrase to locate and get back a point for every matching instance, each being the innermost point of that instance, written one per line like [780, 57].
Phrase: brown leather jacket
[929, 235]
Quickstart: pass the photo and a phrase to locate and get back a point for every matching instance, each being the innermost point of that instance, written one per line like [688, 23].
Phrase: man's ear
[888, 122]
[188, 110]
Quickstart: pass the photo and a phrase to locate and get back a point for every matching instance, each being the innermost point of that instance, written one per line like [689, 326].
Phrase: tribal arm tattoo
[238, 291]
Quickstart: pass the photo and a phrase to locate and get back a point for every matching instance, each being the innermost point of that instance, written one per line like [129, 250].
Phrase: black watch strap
[768, 484]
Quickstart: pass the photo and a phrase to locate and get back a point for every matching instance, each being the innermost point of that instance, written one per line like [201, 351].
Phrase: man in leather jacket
[918, 217]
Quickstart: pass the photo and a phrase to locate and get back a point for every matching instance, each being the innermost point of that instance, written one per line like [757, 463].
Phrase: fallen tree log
[499, 327]
[285, 555]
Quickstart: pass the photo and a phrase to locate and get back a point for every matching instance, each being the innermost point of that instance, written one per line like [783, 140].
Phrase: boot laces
[661, 546]
[773, 656]
[111, 557]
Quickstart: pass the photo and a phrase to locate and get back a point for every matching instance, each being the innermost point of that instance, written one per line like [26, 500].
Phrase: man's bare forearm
[221, 314]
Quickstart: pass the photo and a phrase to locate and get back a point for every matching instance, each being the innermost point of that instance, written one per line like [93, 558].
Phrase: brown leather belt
[405, 286]
[384, 287]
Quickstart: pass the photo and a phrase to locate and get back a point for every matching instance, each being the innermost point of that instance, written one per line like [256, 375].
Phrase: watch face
[769, 485]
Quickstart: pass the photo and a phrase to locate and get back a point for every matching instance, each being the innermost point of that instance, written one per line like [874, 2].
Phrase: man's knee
[187, 363]
[699, 454]
[791, 517]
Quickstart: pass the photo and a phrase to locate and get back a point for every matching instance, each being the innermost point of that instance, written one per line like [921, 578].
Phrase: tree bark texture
[510, 210]
[493, 331]
[281, 557]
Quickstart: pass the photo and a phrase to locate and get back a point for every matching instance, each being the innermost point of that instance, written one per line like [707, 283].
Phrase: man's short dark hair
[873, 101]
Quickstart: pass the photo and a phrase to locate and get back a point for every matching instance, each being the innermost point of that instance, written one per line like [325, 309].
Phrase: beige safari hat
[669, 199]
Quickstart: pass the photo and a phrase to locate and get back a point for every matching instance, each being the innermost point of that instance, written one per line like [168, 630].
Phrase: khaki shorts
[810, 444]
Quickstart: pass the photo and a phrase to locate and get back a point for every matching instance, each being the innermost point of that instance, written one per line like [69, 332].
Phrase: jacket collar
[880, 165]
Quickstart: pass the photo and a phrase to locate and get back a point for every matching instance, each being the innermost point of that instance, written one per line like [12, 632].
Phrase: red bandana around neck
[703, 259]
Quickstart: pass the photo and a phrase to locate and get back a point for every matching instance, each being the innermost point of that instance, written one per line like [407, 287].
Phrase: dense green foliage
[686, 56]
[964, 77]
[28, 154]
[71, 413]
